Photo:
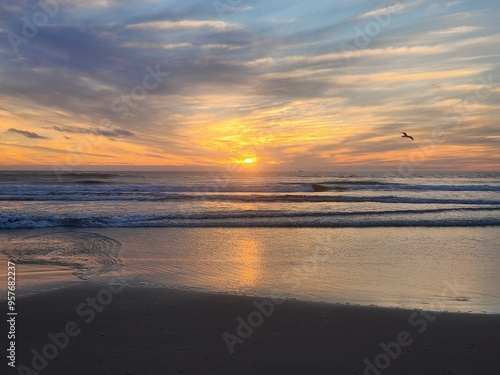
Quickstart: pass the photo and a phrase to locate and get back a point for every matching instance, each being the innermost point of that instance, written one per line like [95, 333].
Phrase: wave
[410, 187]
[318, 187]
[86, 187]
[152, 196]
[358, 182]
[90, 189]
[406, 217]
[91, 182]
[86, 175]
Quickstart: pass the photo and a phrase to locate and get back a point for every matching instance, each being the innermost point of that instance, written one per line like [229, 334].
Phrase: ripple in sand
[89, 254]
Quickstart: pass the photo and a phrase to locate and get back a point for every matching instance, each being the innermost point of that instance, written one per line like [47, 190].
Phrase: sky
[262, 85]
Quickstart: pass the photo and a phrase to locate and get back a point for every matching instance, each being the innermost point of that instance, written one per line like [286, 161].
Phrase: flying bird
[407, 136]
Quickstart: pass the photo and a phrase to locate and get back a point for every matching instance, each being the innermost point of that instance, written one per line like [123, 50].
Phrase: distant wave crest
[91, 190]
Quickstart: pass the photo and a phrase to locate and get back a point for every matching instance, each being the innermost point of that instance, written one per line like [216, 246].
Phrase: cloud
[90, 3]
[185, 25]
[26, 133]
[397, 7]
[346, 52]
[56, 151]
[454, 31]
[228, 47]
[93, 131]
[146, 45]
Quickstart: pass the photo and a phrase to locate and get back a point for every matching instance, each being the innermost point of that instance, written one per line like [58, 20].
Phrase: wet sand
[132, 330]
[453, 269]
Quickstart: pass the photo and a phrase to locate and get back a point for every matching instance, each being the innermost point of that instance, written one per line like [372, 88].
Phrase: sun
[246, 161]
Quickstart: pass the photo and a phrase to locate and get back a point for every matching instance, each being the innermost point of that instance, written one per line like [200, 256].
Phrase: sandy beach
[113, 329]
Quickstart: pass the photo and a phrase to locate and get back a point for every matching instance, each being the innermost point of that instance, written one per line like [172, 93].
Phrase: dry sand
[161, 331]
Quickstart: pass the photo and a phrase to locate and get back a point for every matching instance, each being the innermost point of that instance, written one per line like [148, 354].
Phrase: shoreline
[139, 330]
[366, 267]
[443, 270]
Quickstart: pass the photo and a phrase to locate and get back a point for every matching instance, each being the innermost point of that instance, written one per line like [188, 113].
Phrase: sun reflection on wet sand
[248, 257]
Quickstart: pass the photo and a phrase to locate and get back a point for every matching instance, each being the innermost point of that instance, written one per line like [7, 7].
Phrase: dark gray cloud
[26, 133]
[93, 131]
[154, 156]
[57, 151]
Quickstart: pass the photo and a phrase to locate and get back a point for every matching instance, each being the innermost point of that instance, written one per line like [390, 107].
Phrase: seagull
[407, 136]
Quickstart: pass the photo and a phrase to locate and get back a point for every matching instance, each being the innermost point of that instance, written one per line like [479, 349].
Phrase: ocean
[429, 240]
[209, 199]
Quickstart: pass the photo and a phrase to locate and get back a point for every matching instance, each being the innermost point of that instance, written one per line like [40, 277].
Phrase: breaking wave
[409, 217]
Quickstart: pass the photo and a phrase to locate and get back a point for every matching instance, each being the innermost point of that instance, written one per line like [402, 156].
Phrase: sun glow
[248, 161]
